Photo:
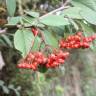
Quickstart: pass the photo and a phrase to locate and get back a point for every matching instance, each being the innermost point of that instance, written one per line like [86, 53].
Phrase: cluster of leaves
[7, 89]
[79, 16]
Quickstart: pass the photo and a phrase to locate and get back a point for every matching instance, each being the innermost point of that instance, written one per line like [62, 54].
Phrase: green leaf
[42, 77]
[5, 89]
[1, 83]
[86, 28]
[11, 7]
[14, 20]
[89, 3]
[23, 41]
[7, 40]
[33, 14]
[11, 86]
[72, 12]
[59, 31]
[50, 39]
[30, 21]
[89, 16]
[36, 44]
[54, 20]
[2, 42]
[42, 69]
[87, 13]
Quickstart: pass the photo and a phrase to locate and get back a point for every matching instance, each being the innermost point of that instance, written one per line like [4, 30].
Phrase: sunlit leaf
[53, 20]
[23, 41]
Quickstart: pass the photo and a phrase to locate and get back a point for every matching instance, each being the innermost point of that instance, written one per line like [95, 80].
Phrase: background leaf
[11, 7]
[5, 89]
[36, 44]
[23, 41]
[50, 39]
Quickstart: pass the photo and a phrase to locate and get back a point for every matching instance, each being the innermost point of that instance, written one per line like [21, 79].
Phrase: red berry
[79, 34]
[35, 31]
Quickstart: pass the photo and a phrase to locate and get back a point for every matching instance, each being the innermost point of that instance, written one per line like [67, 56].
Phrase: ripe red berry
[35, 31]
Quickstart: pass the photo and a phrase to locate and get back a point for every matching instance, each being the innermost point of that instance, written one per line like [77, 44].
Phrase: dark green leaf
[33, 14]
[42, 69]
[7, 40]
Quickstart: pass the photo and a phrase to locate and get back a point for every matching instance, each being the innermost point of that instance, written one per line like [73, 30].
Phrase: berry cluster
[34, 31]
[56, 59]
[76, 41]
[32, 61]
[36, 59]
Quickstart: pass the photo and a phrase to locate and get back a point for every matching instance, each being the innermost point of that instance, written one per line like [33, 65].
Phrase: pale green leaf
[11, 7]
[5, 89]
[14, 20]
[72, 12]
[87, 13]
[89, 16]
[23, 41]
[1, 83]
[89, 3]
[54, 20]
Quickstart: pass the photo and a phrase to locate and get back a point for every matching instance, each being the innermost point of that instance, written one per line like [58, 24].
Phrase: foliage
[78, 16]
[7, 89]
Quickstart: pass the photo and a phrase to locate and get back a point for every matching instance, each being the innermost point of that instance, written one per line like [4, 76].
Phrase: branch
[3, 31]
[54, 11]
